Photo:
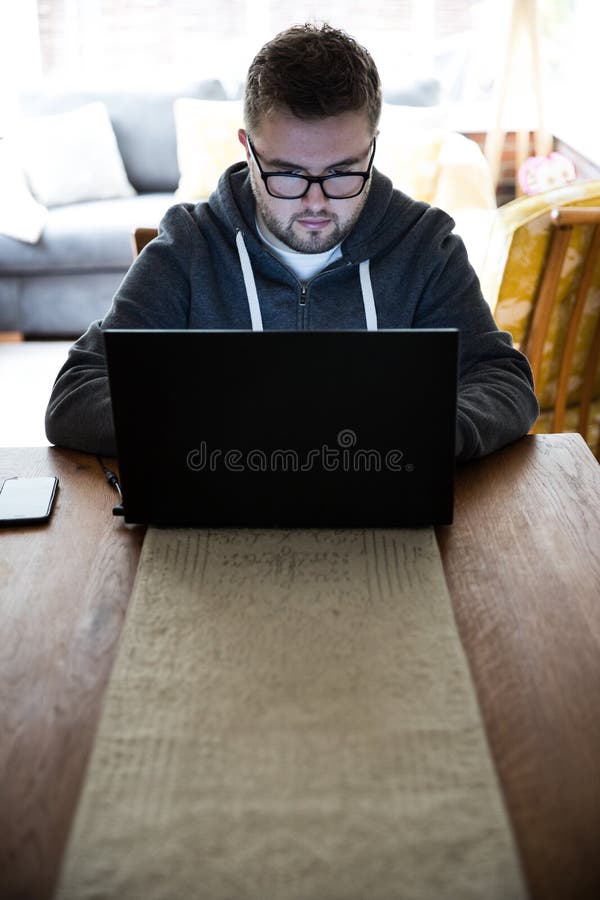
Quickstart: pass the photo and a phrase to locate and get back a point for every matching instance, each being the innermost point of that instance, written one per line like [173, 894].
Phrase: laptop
[285, 428]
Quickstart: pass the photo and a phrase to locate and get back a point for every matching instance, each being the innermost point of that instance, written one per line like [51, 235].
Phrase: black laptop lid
[282, 428]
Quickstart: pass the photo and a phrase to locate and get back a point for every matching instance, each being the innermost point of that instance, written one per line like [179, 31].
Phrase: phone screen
[27, 500]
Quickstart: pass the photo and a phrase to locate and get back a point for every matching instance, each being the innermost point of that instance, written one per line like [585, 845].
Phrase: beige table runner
[290, 716]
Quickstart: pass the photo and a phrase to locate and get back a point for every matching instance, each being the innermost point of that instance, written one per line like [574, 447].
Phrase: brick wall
[507, 180]
[505, 192]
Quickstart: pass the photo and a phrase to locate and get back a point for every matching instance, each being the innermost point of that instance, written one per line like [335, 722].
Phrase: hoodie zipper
[303, 287]
[303, 284]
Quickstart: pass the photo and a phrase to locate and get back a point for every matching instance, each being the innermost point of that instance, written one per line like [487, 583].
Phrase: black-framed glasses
[289, 186]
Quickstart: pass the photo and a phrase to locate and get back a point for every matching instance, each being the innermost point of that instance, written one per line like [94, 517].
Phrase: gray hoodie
[401, 267]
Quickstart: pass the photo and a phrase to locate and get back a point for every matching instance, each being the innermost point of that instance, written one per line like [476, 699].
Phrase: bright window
[455, 47]
[157, 39]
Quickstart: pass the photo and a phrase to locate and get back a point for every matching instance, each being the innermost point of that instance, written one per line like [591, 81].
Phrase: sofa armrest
[464, 179]
[474, 226]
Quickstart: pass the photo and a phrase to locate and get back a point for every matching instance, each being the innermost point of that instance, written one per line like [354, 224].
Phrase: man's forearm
[79, 413]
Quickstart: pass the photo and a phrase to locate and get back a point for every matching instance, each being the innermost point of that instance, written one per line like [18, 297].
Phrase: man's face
[283, 143]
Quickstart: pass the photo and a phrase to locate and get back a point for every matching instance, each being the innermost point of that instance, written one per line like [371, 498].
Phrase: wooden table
[522, 562]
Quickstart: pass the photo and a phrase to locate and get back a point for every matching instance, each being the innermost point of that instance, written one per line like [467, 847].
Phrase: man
[306, 234]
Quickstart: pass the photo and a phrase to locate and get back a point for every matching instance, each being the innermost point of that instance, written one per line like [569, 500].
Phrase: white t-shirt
[304, 265]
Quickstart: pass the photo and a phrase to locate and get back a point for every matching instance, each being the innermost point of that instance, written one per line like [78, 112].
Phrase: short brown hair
[314, 71]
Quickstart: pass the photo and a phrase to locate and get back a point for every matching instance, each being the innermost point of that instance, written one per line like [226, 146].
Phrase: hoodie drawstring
[367, 295]
[252, 295]
[249, 283]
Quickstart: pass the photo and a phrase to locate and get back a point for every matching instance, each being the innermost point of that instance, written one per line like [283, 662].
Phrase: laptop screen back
[230, 428]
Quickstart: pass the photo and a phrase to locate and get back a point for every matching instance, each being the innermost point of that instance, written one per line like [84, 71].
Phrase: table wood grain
[64, 590]
[522, 562]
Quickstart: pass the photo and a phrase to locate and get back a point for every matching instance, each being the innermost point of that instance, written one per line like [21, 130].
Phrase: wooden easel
[523, 34]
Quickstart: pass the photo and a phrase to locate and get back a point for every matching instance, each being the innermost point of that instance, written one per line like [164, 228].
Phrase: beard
[311, 242]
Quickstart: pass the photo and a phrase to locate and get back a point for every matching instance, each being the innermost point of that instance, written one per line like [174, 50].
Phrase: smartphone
[27, 501]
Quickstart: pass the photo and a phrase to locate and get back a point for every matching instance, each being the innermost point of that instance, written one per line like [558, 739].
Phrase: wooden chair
[563, 222]
[141, 237]
[546, 292]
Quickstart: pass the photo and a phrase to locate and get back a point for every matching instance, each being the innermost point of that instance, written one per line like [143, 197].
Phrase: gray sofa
[59, 285]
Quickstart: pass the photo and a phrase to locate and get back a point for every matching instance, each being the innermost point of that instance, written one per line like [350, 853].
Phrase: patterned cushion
[512, 271]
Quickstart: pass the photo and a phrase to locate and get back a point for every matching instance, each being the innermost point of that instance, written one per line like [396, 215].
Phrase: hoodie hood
[233, 202]
[387, 217]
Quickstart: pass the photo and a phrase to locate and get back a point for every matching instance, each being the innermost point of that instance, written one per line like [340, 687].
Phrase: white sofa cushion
[70, 157]
[428, 161]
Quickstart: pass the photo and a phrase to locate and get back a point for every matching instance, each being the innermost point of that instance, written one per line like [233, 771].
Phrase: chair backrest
[141, 237]
[542, 279]
[576, 349]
